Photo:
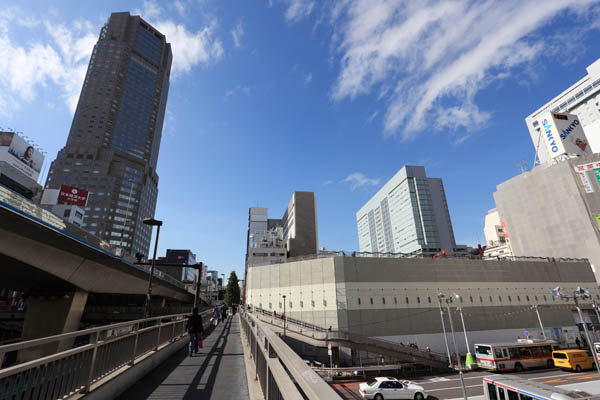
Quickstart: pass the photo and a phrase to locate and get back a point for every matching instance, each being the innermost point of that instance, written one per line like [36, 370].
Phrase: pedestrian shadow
[144, 388]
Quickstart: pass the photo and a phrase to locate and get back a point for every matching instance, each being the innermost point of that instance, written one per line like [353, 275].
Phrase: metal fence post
[136, 328]
[158, 336]
[94, 340]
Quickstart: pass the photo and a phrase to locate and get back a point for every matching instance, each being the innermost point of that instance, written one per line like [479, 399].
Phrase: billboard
[71, 195]
[563, 134]
[20, 155]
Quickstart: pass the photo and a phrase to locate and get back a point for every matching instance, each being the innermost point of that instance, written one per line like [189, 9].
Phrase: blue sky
[268, 97]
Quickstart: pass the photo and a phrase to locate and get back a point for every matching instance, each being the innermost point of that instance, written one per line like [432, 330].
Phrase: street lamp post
[284, 316]
[535, 307]
[584, 294]
[151, 222]
[460, 371]
[440, 296]
[198, 273]
[595, 307]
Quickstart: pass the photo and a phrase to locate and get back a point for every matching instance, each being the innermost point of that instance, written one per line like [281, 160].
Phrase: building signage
[504, 230]
[71, 195]
[587, 167]
[597, 220]
[585, 182]
[20, 155]
[563, 134]
[597, 175]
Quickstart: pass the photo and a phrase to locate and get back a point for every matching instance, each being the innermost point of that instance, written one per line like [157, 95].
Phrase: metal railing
[98, 352]
[281, 373]
[408, 353]
[424, 255]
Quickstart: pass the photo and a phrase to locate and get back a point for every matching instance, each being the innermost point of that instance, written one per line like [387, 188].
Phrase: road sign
[526, 333]
[329, 349]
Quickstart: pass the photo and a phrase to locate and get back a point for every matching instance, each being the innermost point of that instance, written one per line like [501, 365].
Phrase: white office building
[582, 99]
[409, 214]
[496, 237]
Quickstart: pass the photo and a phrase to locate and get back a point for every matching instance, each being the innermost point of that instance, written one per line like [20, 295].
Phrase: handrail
[321, 334]
[273, 357]
[73, 371]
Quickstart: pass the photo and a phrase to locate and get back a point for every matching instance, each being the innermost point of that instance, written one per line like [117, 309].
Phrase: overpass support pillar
[47, 316]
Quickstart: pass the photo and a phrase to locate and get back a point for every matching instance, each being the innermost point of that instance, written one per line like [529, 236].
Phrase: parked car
[385, 388]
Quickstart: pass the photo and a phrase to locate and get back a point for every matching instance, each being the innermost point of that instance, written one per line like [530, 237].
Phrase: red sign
[71, 195]
[504, 229]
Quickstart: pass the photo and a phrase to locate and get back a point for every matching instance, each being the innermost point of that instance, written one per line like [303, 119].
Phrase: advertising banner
[504, 230]
[71, 195]
[20, 155]
[597, 174]
[597, 219]
[563, 134]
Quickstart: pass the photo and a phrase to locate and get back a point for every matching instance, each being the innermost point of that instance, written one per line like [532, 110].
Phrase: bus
[516, 356]
[507, 387]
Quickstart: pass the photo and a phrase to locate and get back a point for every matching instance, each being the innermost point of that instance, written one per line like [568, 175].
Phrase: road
[448, 386]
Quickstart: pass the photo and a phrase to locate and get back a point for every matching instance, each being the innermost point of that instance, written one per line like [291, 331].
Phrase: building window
[509, 298]
[407, 300]
[290, 304]
[429, 299]
[480, 299]
[280, 305]
[270, 306]
[312, 303]
[325, 303]
[359, 301]
[545, 299]
[371, 300]
[500, 298]
[67, 213]
[301, 304]
[519, 298]
[527, 297]
[383, 300]
[491, 301]
[471, 299]
[418, 300]
[536, 298]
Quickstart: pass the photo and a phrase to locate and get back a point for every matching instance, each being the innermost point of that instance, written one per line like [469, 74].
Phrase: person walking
[195, 329]
[215, 316]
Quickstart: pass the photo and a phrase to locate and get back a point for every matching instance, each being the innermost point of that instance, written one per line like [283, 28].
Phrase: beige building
[397, 298]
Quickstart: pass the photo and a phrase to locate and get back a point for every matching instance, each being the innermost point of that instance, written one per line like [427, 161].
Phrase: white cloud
[61, 62]
[237, 89]
[298, 9]
[359, 180]
[429, 59]
[237, 33]
[179, 7]
[308, 78]
[189, 48]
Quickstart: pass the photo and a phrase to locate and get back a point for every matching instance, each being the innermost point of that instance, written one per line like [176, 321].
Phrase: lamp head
[582, 292]
[441, 296]
[152, 222]
[457, 296]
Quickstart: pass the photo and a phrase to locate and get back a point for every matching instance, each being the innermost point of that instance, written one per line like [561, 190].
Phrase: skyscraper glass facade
[112, 148]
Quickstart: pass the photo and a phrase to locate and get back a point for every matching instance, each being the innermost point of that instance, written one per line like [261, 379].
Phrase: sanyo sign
[563, 134]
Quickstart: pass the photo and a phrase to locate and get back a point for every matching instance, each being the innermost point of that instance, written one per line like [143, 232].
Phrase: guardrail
[325, 335]
[282, 374]
[100, 351]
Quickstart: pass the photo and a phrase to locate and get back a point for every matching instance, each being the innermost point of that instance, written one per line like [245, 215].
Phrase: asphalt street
[448, 386]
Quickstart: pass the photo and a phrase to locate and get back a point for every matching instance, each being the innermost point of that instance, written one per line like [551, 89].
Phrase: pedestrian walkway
[216, 372]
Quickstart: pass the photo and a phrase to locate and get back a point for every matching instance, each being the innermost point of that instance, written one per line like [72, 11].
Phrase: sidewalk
[216, 372]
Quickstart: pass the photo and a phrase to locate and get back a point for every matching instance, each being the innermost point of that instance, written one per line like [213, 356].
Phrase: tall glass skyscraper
[113, 144]
[409, 214]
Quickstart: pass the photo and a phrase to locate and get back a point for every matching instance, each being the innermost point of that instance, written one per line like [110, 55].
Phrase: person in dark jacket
[195, 329]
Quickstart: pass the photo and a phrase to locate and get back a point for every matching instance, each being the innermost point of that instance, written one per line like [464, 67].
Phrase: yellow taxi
[574, 360]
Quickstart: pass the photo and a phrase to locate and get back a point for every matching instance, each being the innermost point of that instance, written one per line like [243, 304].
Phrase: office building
[409, 214]
[497, 244]
[554, 210]
[183, 257]
[113, 145]
[300, 234]
[582, 99]
[397, 298]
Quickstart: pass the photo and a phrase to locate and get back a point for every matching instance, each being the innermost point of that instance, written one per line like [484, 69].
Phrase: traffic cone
[470, 361]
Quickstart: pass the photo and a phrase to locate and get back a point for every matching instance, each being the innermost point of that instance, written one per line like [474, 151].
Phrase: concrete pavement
[217, 372]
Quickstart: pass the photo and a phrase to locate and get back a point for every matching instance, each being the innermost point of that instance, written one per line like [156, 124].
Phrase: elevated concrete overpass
[57, 270]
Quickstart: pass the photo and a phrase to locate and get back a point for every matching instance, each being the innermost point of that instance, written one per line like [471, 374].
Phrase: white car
[383, 388]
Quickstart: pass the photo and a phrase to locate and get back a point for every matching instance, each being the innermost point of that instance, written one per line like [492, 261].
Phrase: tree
[232, 293]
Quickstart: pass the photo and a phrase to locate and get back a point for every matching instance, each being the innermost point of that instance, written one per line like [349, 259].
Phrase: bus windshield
[486, 350]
